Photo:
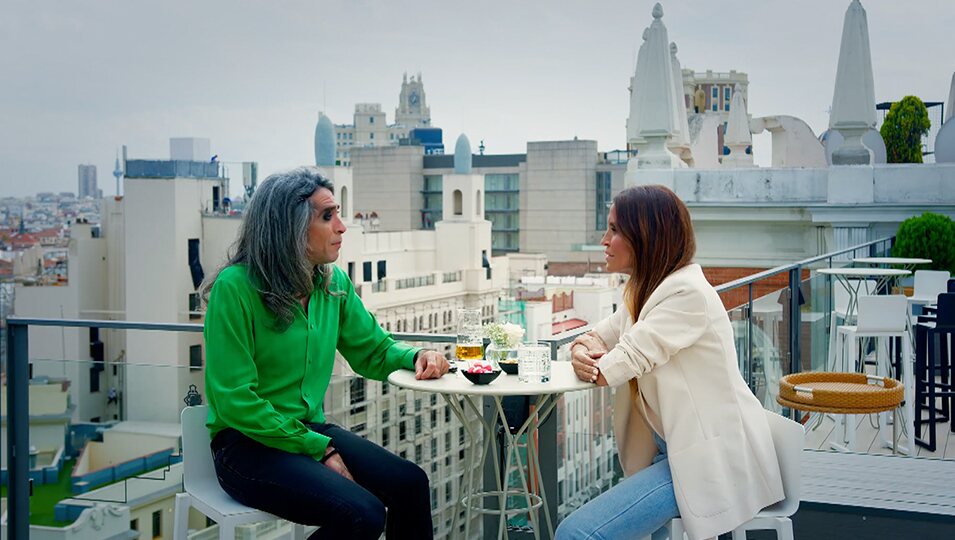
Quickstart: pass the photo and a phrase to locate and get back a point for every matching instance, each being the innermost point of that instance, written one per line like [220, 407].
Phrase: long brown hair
[657, 225]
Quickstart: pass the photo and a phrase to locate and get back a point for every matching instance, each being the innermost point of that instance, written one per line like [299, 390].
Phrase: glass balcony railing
[101, 437]
[776, 336]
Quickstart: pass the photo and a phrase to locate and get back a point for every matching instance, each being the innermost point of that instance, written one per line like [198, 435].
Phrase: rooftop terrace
[866, 493]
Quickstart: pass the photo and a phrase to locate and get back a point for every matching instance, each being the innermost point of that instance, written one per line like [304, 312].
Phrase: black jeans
[300, 489]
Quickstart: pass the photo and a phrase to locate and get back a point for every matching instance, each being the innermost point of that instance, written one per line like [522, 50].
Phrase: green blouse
[267, 384]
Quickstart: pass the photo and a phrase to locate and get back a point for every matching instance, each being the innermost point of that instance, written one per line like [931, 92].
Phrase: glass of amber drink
[470, 342]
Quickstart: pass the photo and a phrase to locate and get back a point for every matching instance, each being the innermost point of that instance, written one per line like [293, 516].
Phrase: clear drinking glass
[470, 342]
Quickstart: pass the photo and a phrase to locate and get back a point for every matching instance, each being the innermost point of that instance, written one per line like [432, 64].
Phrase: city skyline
[84, 79]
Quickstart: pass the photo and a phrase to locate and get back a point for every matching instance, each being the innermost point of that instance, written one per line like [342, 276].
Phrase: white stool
[880, 317]
[842, 300]
[928, 285]
[202, 489]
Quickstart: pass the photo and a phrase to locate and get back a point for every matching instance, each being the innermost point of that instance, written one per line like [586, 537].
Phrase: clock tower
[412, 108]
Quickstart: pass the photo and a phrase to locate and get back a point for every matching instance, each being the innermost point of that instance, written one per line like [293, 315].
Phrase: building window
[357, 395]
[194, 306]
[366, 271]
[134, 525]
[157, 524]
[195, 357]
[193, 259]
[94, 378]
[371, 119]
[382, 267]
[604, 198]
[371, 135]
[458, 202]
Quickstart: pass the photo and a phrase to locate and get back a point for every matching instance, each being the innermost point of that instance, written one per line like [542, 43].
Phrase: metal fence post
[795, 320]
[750, 378]
[549, 461]
[18, 433]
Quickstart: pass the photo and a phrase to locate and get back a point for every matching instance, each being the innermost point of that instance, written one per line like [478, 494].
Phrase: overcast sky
[80, 78]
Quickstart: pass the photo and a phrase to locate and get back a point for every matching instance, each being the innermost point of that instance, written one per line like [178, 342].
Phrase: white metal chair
[928, 285]
[202, 490]
[840, 311]
[789, 438]
[880, 317]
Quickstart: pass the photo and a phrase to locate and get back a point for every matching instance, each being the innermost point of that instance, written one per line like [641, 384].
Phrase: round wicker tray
[839, 393]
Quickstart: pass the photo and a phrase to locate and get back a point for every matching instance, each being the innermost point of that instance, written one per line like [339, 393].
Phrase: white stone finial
[853, 101]
[638, 84]
[680, 142]
[658, 11]
[951, 101]
[738, 135]
[656, 100]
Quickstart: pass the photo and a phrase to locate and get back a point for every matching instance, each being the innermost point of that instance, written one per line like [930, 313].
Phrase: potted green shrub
[929, 236]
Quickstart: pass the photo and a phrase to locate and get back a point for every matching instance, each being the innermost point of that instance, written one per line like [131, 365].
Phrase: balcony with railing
[126, 411]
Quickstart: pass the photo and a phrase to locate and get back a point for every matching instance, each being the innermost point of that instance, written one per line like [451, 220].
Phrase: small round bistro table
[846, 276]
[907, 263]
[455, 389]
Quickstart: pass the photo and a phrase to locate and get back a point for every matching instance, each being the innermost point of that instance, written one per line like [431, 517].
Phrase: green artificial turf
[46, 496]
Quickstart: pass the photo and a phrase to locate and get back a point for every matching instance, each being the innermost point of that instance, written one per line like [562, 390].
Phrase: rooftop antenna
[117, 172]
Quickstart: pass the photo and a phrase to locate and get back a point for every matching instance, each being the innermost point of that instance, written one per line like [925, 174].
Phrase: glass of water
[533, 363]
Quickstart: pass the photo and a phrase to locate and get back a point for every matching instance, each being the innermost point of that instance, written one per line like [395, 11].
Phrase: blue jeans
[636, 507]
[298, 488]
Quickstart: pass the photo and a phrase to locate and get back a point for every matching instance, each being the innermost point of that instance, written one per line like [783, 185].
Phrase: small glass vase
[501, 356]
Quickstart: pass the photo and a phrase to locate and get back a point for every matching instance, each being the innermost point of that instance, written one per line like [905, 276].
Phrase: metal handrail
[792, 266]
[18, 368]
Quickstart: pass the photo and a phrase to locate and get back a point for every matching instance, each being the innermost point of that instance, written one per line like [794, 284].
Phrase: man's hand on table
[430, 365]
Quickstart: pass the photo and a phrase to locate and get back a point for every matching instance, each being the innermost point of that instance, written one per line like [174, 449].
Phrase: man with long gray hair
[277, 311]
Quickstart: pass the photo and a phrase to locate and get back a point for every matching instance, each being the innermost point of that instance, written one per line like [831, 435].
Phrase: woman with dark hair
[277, 311]
[692, 438]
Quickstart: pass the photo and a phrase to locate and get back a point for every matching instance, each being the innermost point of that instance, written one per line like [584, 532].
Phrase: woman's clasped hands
[585, 351]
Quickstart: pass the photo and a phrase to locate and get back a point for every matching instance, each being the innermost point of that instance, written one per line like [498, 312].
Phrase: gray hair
[273, 242]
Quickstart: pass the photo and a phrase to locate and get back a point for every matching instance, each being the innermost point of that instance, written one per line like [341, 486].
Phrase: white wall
[161, 216]
[389, 181]
[558, 198]
[218, 234]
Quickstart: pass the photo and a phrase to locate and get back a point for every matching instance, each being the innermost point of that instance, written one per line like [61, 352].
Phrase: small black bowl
[481, 378]
[509, 367]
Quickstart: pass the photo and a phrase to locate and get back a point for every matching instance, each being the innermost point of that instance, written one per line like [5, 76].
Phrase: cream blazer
[685, 384]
